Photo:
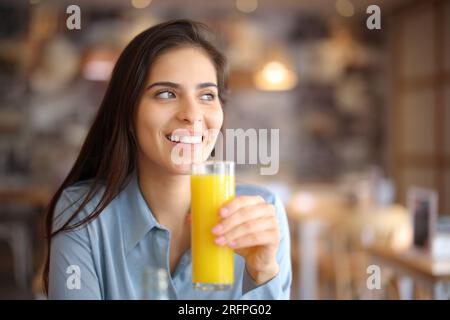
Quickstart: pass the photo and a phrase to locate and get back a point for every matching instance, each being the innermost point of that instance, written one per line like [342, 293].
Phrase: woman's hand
[249, 225]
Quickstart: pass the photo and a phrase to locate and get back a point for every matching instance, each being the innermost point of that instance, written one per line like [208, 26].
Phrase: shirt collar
[137, 218]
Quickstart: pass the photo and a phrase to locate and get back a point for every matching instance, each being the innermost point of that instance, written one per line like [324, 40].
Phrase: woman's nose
[190, 112]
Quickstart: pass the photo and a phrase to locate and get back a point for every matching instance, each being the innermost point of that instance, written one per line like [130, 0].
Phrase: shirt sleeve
[72, 273]
[279, 287]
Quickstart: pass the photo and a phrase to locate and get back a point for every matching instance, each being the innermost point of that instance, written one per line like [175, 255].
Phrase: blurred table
[37, 196]
[324, 213]
[430, 273]
[312, 210]
[20, 212]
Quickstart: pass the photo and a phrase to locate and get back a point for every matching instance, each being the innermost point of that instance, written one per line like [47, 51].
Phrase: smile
[185, 139]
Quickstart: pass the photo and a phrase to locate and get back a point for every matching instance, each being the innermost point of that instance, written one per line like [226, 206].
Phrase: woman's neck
[167, 195]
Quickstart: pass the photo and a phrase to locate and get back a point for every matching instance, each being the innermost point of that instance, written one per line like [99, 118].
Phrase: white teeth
[174, 138]
[186, 139]
[190, 139]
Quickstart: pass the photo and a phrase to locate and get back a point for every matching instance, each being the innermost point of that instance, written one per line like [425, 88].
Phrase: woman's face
[178, 111]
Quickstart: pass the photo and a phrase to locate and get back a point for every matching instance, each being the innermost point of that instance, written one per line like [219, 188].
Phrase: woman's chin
[185, 167]
[182, 169]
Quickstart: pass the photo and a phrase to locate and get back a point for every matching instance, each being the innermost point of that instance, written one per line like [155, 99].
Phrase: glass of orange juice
[212, 185]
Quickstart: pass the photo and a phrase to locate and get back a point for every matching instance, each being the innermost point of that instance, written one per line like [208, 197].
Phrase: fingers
[245, 215]
[238, 203]
[263, 238]
[245, 228]
[189, 218]
[248, 225]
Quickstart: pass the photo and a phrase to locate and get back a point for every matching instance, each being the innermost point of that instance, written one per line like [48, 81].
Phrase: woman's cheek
[215, 124]
[149, 124]
[216, 119]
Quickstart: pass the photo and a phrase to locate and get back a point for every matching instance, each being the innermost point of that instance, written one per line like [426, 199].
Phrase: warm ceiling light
[98, 64]
[304, 202]
[98, 70]
[246, 6]
[275, 76]
[140, 4]
[345, 8]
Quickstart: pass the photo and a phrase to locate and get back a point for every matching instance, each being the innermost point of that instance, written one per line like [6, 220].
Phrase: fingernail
[217, 229]
[224, 212]
[232, 244]
[220, 241]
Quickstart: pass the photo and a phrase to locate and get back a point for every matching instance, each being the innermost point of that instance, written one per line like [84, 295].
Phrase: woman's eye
[165, 95]
[207, 97]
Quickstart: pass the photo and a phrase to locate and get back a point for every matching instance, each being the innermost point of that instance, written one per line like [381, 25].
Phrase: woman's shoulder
[79, 186]
[256, 190]
[77, 193]
[72, 198]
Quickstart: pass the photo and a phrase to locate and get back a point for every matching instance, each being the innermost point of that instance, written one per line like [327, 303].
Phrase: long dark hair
[109, 152]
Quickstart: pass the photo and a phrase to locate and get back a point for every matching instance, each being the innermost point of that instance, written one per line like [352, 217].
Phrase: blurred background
[364, 119]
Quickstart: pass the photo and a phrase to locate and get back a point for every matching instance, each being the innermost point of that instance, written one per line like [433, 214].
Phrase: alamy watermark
[374, 20]
[373, 281]
[250, 146]
[73, 281]
[73, 21]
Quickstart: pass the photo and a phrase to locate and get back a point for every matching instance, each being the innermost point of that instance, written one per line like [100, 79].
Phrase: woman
[125, 204]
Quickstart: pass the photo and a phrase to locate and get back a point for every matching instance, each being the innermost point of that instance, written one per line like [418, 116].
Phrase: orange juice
[212, 265]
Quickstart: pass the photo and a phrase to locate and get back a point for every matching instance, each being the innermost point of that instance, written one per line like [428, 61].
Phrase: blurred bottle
[155, 284]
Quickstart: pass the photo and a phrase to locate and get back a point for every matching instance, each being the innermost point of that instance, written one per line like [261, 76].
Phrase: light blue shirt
[108, 256]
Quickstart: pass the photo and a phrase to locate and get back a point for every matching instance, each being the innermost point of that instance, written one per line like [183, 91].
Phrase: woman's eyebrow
[206, 84]
[164, 84]
[177, 86]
